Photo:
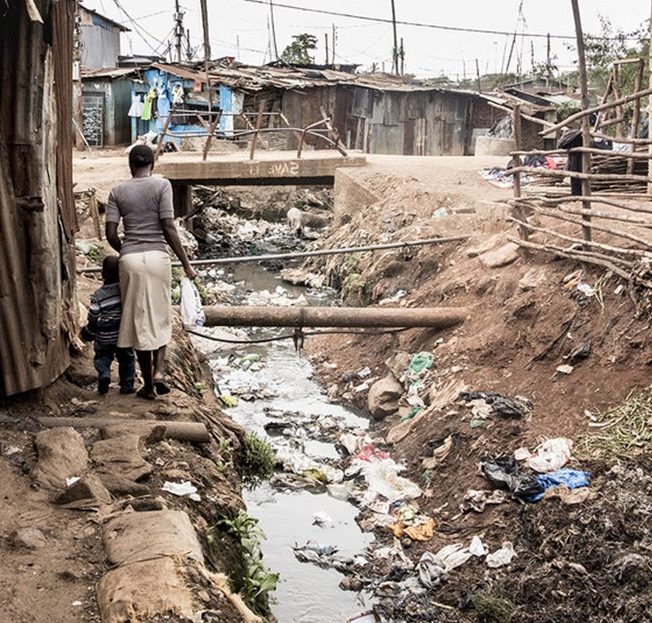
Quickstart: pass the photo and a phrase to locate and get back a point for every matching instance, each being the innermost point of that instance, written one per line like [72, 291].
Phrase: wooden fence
[613, 226]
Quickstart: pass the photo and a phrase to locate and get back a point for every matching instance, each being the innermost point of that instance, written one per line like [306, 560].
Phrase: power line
[383, 20]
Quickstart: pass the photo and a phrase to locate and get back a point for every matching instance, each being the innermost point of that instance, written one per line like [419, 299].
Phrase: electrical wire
[139, 30]
[383, 20]
[292, 336]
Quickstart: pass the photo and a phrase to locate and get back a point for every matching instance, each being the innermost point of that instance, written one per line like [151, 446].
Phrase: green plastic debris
[479, 423]
[420, 362]
[411, 413]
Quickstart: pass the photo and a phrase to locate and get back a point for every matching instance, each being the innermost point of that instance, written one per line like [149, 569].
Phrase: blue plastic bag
[571, 478]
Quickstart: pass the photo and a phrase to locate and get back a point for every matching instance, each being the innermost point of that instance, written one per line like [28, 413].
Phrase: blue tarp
[571, 478]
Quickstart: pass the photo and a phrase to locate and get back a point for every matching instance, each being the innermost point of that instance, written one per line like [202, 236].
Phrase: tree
[611, 45]
[299, 51]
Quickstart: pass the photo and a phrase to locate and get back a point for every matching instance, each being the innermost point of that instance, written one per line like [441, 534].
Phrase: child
[104, 325]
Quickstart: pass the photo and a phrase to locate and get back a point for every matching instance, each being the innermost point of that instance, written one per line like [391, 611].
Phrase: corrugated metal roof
[256, 78]
[109, 72]
[118, 25]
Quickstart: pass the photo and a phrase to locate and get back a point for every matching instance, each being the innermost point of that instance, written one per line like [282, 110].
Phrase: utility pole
[188, 46]
[477, 73]
[271, 16]
[178, 29]
[326, 42]
[395, 52]
[207, 50]
[548, 62]
[586, 128]
[402, 57]
[333, 46]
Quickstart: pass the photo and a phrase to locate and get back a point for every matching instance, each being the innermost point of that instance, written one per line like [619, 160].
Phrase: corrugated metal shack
[108, 95]
[100, 39]
[376, 113]
[37, 212]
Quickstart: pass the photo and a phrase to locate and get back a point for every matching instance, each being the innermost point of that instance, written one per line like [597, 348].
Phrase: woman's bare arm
[111, 232]
[172, 238]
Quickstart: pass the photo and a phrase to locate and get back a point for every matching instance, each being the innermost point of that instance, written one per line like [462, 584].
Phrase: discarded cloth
[570, 478]
[501, 405]
[477, 500]
[505, 473]
[502, 556]
[434, 568]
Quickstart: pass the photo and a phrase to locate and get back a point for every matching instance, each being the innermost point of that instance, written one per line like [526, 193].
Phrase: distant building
[100, 39]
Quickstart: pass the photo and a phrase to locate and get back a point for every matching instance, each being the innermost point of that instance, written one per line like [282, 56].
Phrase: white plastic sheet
[552, 455]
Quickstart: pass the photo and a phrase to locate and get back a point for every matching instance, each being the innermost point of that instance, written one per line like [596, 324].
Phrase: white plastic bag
[552, 455]
[192, 313]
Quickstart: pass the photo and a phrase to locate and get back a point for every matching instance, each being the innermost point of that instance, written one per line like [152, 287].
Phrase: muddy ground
[527, 316]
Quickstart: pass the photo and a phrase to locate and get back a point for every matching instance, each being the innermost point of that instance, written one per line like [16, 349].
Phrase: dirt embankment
[527, 316]
[115, 544]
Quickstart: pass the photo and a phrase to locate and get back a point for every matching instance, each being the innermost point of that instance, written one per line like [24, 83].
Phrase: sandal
[146, 394]
[162, 388]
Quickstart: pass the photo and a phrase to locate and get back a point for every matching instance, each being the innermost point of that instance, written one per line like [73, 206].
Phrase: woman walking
[144, 203]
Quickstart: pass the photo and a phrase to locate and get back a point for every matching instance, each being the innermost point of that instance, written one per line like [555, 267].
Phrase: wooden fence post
[586, 125]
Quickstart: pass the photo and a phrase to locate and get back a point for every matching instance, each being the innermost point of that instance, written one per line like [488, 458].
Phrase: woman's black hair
[140, 156]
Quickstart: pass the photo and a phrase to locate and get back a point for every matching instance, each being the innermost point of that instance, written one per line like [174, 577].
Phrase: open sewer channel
[281, 401]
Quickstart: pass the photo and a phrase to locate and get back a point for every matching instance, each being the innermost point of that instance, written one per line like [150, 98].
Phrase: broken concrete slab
[121, 456]
[61, 455]
[502, 256]
[135, 536]
[88, 492]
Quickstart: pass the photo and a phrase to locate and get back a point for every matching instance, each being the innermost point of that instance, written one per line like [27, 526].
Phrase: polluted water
[279, 400]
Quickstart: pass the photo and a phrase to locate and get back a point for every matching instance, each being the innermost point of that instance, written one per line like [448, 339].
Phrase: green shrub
[257, 581]
[258, 461]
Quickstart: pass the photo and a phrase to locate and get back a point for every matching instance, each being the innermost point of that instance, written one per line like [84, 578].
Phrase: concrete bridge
[315, 168]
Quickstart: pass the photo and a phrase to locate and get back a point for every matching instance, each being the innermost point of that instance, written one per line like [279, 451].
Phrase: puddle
[285, 385]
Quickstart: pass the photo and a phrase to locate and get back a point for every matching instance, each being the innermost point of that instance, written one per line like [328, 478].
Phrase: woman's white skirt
[145, 284]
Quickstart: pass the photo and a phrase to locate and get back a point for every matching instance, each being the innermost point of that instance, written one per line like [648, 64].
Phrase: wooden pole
[362, 317]
[395, 53]
[259, 122]
[271, 15]
[649, 107]
[586, 128]
[636, 117]
[589, 111]
[516, 164]
[477, 74]
[207, 52]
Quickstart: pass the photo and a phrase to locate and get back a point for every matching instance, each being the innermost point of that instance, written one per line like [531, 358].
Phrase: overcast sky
[240, 28]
